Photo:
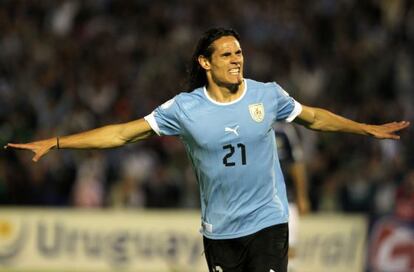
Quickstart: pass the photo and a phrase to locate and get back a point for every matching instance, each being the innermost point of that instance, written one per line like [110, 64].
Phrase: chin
[232, 84]
[234, 87]
[237, 81]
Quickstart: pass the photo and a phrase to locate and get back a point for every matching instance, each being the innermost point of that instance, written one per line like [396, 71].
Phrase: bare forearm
[106, 137]
[323, 120]
[327, 121]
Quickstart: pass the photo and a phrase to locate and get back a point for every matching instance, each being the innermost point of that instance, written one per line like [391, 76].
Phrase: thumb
[39, 154]
[36, 158]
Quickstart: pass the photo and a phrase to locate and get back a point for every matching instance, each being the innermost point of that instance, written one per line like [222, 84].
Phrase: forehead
[226, 43]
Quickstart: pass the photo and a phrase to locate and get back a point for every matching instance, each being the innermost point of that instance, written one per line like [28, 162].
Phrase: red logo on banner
[392, 246]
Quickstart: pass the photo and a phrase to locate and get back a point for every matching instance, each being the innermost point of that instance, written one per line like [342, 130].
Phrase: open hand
[387, 131]
[40, 148]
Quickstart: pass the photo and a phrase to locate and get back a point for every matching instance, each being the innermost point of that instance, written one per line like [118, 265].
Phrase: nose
[236, 58]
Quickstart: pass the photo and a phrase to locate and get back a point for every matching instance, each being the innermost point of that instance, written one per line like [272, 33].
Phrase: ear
[204, 62]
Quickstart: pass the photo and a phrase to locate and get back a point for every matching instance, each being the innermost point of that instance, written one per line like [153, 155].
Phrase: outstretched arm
[323, 120]
[103, 137]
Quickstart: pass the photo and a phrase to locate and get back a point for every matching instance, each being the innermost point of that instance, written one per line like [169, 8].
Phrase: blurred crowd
[69, 66]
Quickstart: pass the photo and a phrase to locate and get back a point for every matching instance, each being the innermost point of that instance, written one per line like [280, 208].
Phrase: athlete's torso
[233, 151]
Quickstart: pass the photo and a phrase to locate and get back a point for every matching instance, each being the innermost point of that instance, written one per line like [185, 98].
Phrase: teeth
[234, 71]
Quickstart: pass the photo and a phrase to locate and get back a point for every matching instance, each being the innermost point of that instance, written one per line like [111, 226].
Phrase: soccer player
[225, 123]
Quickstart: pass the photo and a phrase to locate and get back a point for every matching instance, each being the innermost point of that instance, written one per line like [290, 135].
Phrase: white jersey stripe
[296, 111]
[153, 123]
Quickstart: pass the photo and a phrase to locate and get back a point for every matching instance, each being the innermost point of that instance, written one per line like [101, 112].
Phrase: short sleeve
[164, 120]
[287, 107]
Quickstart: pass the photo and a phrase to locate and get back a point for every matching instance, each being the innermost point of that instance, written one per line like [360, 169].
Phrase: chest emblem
[257, 112]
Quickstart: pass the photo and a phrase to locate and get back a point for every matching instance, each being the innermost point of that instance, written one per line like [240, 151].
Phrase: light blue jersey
[232, 149]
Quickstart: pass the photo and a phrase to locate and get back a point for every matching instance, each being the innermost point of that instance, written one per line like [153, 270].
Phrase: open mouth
[235, 71]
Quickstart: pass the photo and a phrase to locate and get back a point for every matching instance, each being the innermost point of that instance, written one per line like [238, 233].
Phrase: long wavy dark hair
[196, 74]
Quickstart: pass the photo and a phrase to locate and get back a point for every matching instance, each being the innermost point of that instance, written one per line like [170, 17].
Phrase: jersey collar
[226, 103]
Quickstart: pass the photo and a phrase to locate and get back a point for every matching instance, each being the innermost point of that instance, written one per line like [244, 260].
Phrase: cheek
[219, 69]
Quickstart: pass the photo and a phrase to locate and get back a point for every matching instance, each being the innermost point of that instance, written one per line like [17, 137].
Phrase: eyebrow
[228, 53]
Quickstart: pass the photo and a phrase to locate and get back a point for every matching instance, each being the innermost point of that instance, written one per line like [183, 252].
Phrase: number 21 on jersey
[228, 159]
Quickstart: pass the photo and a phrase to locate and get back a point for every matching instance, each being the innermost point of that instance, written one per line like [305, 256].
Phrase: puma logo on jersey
[234, 130]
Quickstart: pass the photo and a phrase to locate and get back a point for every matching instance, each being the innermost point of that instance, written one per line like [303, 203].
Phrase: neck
[224, 94]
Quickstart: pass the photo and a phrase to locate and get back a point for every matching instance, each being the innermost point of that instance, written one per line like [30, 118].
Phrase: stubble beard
[233, 87]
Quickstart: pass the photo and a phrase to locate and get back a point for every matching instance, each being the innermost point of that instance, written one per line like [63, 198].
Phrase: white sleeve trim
[150, 118]
[296, 111]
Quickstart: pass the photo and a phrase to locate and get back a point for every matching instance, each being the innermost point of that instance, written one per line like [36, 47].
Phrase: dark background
[69, 66]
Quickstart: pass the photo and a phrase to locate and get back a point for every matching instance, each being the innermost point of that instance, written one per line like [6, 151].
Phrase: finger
[398, 127]
[390, 136]
[390, 124]
[393, 127]
[39, 154]
[36, 158]
[19, 146]
[402, 124]
[395, 137]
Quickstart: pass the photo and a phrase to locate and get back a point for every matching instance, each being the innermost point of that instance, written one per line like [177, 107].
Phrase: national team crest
[257, 112]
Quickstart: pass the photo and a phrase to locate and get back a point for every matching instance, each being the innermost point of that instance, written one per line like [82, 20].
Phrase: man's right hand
[40, 148]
